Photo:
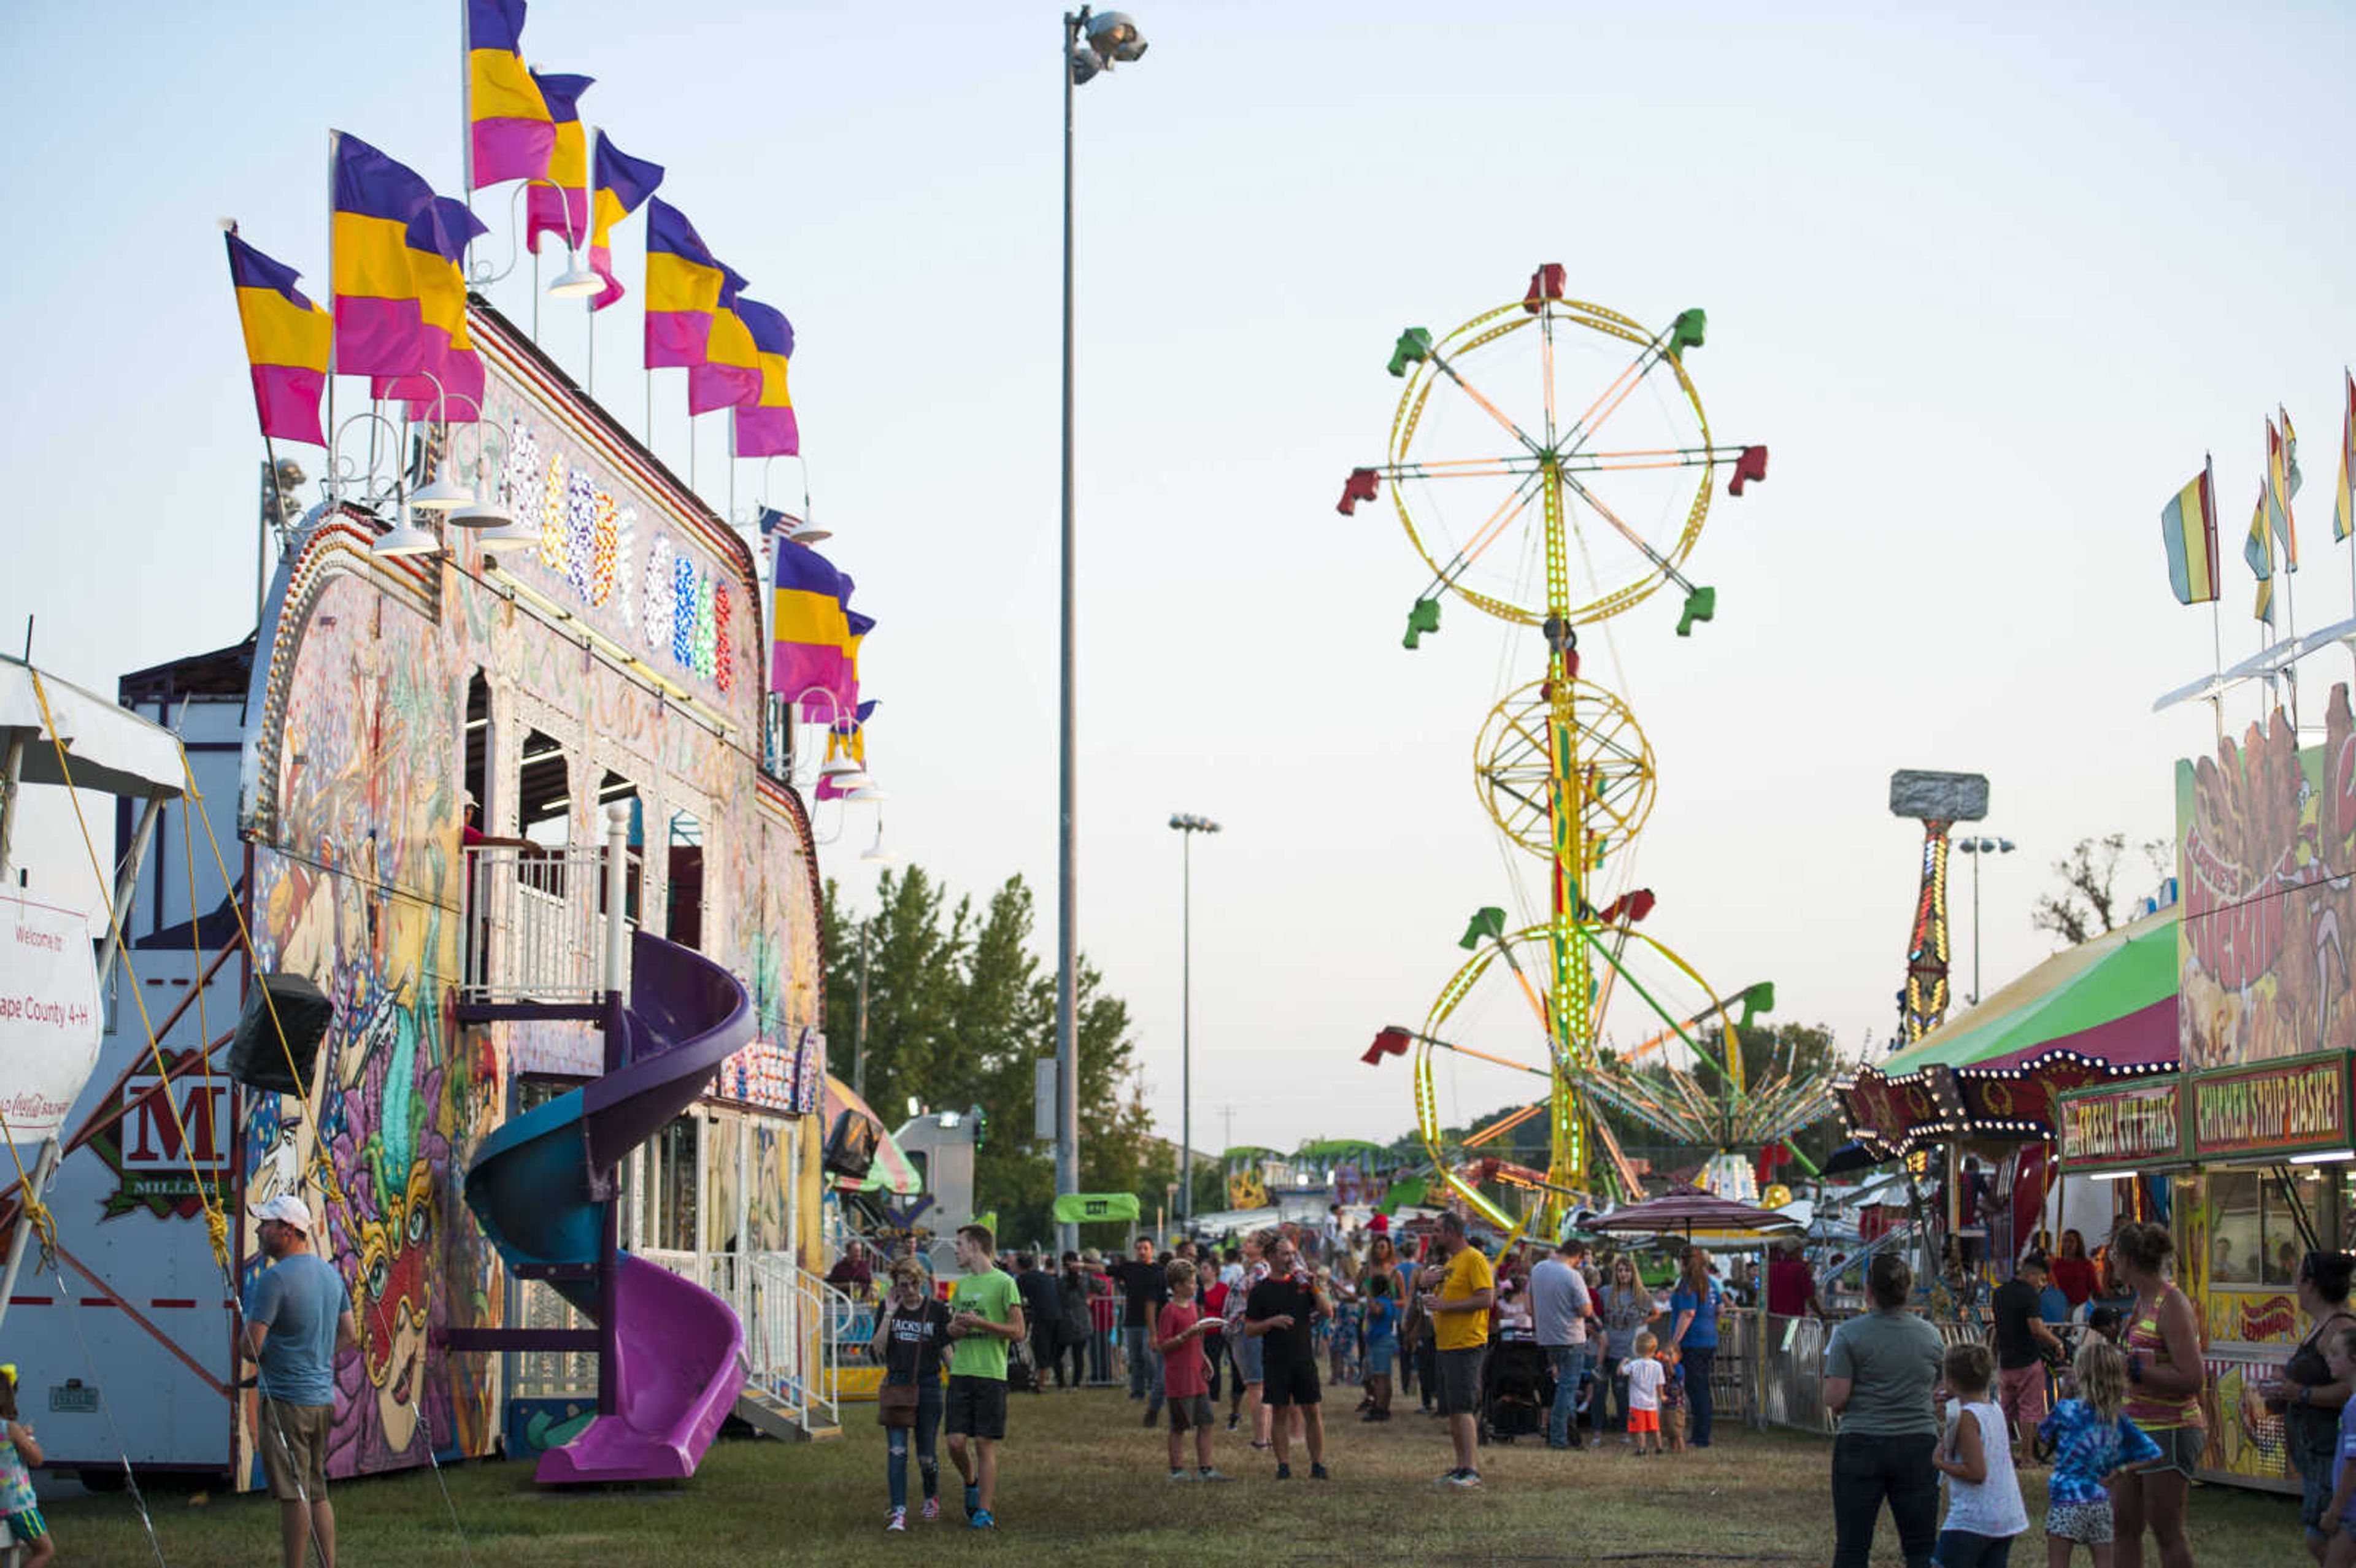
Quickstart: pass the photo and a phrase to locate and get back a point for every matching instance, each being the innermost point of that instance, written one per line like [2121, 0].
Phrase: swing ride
[1567, 521]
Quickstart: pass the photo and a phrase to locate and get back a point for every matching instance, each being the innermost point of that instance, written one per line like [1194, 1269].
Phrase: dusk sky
[1987, 284]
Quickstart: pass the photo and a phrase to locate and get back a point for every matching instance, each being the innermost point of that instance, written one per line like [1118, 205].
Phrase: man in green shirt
[985, 1316]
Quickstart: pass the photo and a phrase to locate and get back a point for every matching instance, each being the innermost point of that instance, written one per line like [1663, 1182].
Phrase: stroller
[1516, 1386]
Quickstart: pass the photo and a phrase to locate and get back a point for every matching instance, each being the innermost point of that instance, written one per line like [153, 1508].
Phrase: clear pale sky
[1988, 285]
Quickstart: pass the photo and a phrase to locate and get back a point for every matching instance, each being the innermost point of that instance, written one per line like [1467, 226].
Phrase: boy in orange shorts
[1645, 1375]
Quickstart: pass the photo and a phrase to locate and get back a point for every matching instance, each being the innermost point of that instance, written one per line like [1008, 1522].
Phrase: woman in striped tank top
[2165, 1378]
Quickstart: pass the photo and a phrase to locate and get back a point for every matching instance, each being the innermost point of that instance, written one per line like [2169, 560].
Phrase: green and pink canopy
[2103, 1009]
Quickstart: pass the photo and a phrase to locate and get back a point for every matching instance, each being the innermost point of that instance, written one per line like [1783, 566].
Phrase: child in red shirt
[1185, 1374]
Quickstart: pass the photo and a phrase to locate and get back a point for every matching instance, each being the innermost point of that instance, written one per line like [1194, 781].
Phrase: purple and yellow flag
[509, 131]
[2278, 494]
[684, 285]
[731, 371]
[621, 185]
[2343, 505]
[766, 427]
[808, 626]
[447, 384]
[379, 319]
[561, 205]
[288, 340]
[2188, 526]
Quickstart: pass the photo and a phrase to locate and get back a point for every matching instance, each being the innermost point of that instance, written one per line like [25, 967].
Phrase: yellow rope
[322, 1168]
[216, 1223]
[37, 1213]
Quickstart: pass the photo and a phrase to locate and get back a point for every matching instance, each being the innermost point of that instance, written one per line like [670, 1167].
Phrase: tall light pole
[1092, 43]
[1975, 849]
[1186, 827]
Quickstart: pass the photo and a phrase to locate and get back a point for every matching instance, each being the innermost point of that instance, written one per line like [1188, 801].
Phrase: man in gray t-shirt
[1559, 1307]
[298, 1315]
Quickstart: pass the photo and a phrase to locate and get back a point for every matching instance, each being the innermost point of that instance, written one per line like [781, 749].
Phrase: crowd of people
[1553, 1343]
[2122, 1346]
[1575, 1347]
[1558, 1342]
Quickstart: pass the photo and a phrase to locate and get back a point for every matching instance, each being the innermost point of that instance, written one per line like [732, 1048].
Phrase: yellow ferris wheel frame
[1565, 1170]
[1436, 367]
[1514, 783]
[1573, 752]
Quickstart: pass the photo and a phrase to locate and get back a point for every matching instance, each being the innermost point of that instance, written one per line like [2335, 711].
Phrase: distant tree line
[958, 1010]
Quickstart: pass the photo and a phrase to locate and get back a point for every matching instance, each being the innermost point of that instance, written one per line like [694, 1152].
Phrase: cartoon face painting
[396, 1278]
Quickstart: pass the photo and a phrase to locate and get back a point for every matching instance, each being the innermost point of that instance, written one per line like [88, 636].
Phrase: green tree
[915, 952]
[958, 1012]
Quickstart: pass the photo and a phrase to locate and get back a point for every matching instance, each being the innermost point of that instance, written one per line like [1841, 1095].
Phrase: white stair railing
[795, 1324]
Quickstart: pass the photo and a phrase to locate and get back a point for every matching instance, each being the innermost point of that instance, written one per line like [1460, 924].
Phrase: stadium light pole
[1186, 827]
[1978, 848]
[1092, 43]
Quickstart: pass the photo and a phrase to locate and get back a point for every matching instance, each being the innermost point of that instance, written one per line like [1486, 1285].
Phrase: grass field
[1085, 1484]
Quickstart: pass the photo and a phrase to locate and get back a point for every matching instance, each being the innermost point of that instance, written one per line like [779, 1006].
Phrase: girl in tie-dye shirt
[2090, 1438]
[20, 1511]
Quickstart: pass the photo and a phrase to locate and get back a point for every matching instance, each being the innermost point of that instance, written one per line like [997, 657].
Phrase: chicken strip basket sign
[49, 1017]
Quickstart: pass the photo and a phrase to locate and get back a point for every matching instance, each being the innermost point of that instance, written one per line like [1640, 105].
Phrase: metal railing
[1790, 1385]
[796, 1326]
[794, 1331]
[551, 1375]
[536, 923]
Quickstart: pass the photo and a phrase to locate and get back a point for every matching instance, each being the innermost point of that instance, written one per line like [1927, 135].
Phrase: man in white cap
[298, 1315]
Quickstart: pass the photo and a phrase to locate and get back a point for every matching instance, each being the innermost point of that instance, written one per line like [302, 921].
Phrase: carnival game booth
[2250, 1168]
[588, 675]
[1984, 1085]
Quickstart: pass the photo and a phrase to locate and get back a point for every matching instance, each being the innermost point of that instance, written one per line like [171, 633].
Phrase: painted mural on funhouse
[2266, 849]
[352, 804]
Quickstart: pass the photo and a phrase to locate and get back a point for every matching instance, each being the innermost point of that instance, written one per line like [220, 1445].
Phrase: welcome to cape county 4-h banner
[48, 1015]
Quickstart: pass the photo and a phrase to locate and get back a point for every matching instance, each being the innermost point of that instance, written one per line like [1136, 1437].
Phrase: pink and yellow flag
[766, 427]
[683, 282]
[621, 185]
[509, 131]
[448, 383]
[288, 340]
[379, 321]
[729, 373]
[559, 205]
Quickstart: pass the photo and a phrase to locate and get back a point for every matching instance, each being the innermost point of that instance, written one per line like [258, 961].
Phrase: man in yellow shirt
[1459, 1308]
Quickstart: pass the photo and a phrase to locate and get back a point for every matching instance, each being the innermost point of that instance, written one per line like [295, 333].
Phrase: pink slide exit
[541, 1184]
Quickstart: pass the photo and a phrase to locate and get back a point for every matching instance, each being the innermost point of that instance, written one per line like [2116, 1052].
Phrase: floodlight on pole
[1090, 45]
[1977, 847]
[1113, 35]
[1187, 825]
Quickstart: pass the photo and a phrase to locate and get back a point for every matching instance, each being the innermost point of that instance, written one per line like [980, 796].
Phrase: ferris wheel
[1553, 467]
[1551, 459]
